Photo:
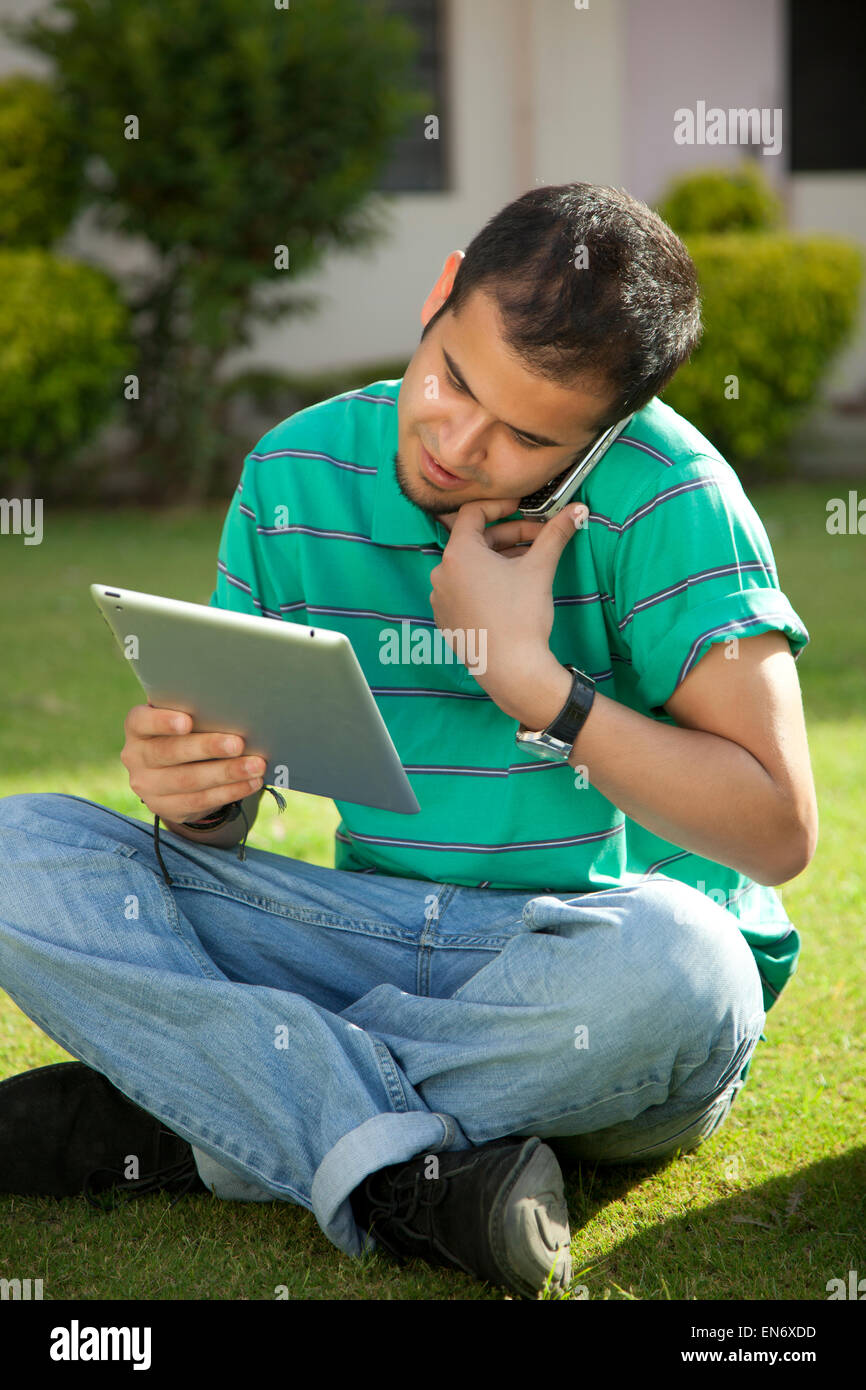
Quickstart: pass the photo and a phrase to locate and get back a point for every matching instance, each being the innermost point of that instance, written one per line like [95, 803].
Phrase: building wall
[836, 204]
[527, 82]
[679, 52]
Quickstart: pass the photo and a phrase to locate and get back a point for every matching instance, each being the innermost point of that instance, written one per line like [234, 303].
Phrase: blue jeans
[302, 1027]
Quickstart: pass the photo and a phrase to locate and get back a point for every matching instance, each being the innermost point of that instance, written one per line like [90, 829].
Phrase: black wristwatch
[556, 742]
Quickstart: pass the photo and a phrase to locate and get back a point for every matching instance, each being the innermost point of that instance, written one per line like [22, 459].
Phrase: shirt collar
[396, 520]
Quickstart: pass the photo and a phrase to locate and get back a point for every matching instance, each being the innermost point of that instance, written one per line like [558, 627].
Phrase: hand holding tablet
[296, 696]
[183, 776]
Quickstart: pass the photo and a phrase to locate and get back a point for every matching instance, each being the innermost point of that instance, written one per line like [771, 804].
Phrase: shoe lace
[404, 1196]
[183, 1172]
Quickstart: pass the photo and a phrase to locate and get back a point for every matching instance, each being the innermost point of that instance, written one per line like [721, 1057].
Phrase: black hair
[590, 285]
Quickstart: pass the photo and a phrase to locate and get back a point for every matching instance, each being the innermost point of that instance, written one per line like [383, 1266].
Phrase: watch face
[543, 749]
[555, 755]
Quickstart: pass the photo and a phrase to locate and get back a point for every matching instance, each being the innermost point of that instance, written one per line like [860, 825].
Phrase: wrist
[224, 836]
[545, 690]
[224, 815]
[556, 740]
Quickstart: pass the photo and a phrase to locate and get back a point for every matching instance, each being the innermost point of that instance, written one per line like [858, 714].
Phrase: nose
[464, 436]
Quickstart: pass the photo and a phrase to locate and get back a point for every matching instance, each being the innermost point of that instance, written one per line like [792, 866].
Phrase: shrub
[41, 164]
[721, 200]
[64, 351]
[241, 142]
[776, 310]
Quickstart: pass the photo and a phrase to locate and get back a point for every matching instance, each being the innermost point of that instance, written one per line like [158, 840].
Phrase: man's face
[486, 442]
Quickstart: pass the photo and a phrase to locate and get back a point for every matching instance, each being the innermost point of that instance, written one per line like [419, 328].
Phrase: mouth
[437, 474]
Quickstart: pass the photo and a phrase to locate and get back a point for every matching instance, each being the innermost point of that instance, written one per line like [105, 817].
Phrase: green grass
[771, 1207]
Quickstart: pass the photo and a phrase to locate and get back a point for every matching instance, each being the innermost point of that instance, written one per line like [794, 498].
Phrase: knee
[706, 973]
[31, 810]
[18, 810]
[55, 816]
[671, 969]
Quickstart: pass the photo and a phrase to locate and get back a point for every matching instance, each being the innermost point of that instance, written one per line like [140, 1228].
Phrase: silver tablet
[297, 695]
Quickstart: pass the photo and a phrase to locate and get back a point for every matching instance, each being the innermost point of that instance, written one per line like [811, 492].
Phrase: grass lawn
[772, 1206]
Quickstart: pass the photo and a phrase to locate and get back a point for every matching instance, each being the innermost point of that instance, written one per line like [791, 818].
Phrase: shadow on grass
[785, 1238]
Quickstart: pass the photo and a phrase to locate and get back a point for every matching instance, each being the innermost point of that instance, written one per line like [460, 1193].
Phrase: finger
[146, 721]
[189, 748]
[191, 806]
[474, 516]
[558, 531]
[196, 778]
[193, 786]
[508, 533]
[516, 551]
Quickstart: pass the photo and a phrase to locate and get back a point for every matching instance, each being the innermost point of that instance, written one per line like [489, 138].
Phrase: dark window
[419, 164]
[826, 63]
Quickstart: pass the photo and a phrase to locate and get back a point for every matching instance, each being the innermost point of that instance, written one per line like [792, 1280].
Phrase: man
[572, 948]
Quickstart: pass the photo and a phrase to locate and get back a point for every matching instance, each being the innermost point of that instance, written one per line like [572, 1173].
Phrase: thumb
[558, 532]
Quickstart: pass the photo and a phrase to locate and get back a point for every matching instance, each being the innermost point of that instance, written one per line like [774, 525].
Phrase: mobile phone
[546, 501]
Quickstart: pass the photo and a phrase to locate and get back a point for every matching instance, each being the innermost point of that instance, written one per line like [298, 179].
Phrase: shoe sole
[529, 1231]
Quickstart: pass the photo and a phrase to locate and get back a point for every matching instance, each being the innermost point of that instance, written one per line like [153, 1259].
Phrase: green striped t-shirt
[674, 558]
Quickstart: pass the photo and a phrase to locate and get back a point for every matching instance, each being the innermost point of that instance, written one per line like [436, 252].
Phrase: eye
[526, 443]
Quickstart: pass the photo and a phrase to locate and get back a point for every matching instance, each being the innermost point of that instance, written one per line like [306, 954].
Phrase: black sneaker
[65, 1130]
[496, 1211]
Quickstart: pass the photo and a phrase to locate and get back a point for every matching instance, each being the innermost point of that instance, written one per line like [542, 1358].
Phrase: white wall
[836, 204]
[579, 81]
[678, 52]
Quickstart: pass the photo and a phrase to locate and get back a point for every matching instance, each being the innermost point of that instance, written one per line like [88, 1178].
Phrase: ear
[443, 287]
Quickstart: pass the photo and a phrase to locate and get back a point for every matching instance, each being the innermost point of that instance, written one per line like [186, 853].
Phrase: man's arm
[733, 783]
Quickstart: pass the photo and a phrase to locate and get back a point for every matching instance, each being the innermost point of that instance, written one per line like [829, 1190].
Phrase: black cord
[242, 848]
[165, 873]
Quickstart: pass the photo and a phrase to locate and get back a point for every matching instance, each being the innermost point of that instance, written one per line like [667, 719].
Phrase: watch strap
[572, 717]
[557, 740]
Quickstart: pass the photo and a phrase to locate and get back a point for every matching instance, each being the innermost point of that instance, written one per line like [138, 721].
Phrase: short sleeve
[693, 566]
[257, 566]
